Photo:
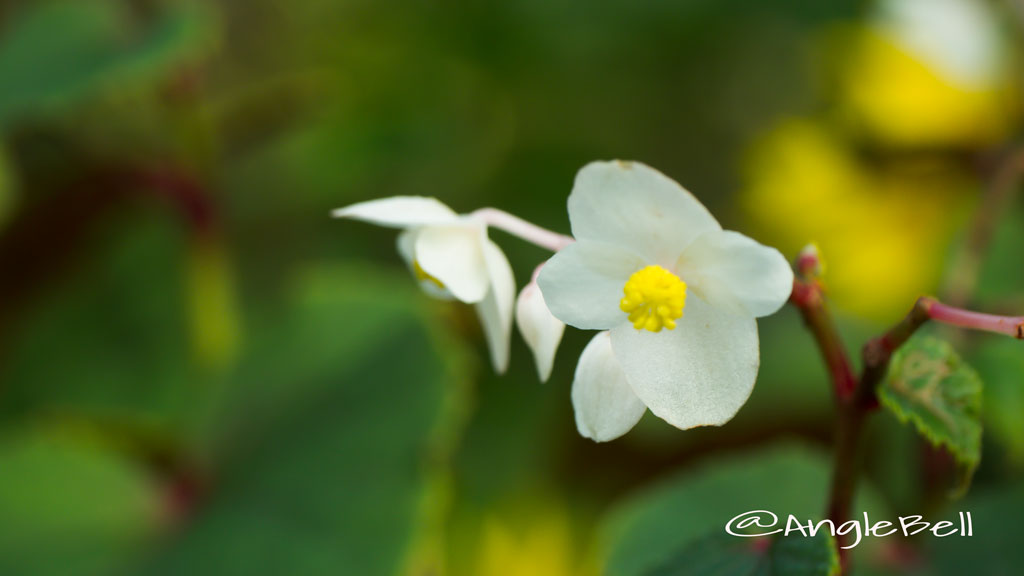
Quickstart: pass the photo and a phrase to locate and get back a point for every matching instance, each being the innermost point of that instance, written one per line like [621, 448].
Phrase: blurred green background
[202, 373]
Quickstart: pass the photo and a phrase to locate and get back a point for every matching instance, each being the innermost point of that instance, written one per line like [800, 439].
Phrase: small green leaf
[930, 386]
[724, 555]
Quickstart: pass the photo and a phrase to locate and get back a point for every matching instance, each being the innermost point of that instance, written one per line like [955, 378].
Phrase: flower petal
[699, 374]
[733, 272]
[634, 205]
[454, 254]
[605, 405]
[406, 245]
[399, 212]
[541, 330]
[496, 309]
[583, 282]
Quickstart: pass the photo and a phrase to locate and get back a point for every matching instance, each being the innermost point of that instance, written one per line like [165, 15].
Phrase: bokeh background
[202, 373]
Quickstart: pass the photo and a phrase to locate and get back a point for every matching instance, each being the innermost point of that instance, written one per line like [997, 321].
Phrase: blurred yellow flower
[544, 548]
[883, 231]
[929, 76]
[930, 73]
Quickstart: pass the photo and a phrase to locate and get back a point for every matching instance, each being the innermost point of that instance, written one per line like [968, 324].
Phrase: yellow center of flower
[422, 274]
[654, 299]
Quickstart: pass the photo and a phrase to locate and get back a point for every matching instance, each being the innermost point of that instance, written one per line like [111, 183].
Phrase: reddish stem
[1008, 325]
[809, 298]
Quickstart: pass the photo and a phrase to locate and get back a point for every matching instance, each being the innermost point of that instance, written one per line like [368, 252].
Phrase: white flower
[677, 294]
[452, 258]
[541, 330]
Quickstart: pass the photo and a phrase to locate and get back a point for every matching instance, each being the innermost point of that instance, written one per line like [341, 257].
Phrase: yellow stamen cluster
[422, 274]
[654, 299]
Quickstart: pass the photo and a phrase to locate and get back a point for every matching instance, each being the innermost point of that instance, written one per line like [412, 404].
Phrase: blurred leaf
[1000, 363]
[646, 531]
[930, 386]
[1002, 276]
[724, 555]
[330, 449]
[7, 187]
[57, 51]
[995, 548]
[113, 341]
[70, 508]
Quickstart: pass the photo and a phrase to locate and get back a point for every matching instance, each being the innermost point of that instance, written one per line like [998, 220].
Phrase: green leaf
[119, 331]
[648, 530]
[331, 446]
[65, 503]
[995, 546]
[724, 555]
[931, 387]
[1001, 278]
[1000, 363]
[54, 52]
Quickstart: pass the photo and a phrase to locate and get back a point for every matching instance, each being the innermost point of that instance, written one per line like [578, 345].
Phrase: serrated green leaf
[647, 531]
[57, 51]
[929, 386]
[723, 555]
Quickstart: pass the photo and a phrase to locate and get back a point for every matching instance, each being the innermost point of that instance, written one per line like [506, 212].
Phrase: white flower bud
[541, 330]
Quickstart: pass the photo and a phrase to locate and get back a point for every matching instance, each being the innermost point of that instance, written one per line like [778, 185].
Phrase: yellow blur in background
[881, 179]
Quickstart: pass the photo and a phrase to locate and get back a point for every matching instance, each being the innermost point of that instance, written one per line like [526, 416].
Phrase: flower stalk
[522, 229]
[808, 296]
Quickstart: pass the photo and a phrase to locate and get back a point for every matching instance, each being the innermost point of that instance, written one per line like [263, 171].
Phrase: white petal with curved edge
[699, 374]
[540, 329]
[733, 272]
[583, 283]
[496, 309]
[406, 245]
[399, 212]
[605, 405]
[454, 255]
[634, 205]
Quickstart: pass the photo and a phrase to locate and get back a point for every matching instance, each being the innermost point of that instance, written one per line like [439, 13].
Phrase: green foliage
[1001, 279]
[1000, 363]
[995, 548]
[332, 439]
[55, 52]
[119, 331]
[326, 451]
[649, 530]
[7, 187]
[725, 555]
[71, 506]
[931, 387]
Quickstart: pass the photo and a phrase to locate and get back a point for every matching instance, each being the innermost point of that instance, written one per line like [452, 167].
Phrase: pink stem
[939, 312]
[521, 228]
